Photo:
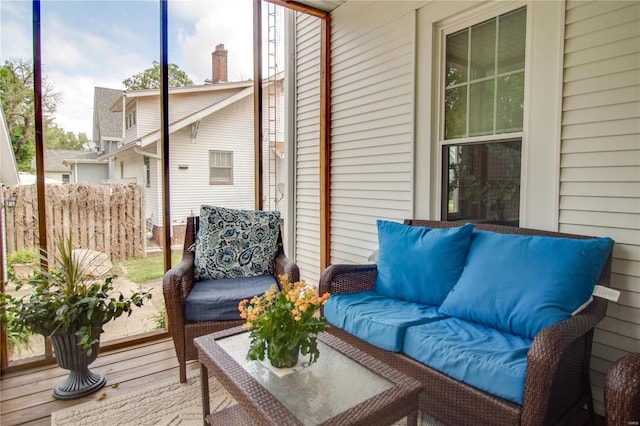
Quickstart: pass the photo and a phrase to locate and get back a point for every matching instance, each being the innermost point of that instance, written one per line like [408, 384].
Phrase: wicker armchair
[622, 391]
[557, 382]
[178, 282]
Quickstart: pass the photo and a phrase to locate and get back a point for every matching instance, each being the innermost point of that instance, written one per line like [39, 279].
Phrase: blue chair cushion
[420, 264]
[482, 357]
[522, 284]
[215, 300]
[235, 243]
[377, 319]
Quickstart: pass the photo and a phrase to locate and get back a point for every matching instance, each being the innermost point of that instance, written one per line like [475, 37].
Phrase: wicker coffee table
[346, 386]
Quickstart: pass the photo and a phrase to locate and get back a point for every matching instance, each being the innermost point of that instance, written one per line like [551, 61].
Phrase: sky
[99, 43]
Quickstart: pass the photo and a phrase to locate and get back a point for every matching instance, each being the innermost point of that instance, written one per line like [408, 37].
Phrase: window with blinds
[220, 167]
[483, 120]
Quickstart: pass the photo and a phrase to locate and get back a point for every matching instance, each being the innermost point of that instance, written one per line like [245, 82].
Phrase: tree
[16, 92]
[57, 138]
[150, 78]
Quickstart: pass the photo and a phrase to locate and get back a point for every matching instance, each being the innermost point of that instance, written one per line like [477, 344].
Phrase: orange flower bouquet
[283, 324]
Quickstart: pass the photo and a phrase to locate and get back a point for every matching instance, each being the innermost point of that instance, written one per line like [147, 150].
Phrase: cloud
[75, 111]
[15, 30]
[100, 43]
[217, 22]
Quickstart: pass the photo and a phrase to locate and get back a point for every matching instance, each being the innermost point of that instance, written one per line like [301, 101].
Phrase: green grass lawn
[140, 270]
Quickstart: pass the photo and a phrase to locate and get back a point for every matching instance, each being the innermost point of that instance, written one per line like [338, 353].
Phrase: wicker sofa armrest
[622, 391]
[347, 278]
[560, 350]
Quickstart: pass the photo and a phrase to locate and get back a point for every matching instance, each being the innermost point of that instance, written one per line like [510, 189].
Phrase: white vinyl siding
[307, 137]
[600, 159]
[148, 109]
[372, 121]
[180, 106]
[131, 166]
[230, 129]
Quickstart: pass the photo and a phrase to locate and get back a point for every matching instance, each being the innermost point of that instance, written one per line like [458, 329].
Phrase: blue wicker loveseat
[495, 322]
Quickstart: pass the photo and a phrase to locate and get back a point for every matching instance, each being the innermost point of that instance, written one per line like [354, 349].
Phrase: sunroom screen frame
[325, 115]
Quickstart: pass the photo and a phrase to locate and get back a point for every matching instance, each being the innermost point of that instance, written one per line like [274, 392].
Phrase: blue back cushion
[522, 284]
[235, 243]
[420, 264]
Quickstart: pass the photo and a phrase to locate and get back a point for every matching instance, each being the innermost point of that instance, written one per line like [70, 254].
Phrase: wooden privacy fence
[105, 218]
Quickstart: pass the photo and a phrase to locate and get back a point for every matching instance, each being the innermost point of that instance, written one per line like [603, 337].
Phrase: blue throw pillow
[420, 264]
[235, 243]
[522, 284]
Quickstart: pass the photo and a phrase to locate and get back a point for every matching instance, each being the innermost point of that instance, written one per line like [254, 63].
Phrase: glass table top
[313, 393]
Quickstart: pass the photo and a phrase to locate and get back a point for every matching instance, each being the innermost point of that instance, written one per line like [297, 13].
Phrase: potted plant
[69, 304]
[283, 324]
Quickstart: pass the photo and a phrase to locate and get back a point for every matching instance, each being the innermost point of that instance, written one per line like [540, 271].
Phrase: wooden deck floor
[25, 396]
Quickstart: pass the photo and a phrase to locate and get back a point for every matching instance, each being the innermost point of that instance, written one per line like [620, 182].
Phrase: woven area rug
[165, 403]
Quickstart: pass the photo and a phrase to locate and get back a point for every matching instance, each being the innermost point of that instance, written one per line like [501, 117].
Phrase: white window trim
[543, 106]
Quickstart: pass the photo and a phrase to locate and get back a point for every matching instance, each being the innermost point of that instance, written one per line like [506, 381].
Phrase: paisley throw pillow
[235, 243]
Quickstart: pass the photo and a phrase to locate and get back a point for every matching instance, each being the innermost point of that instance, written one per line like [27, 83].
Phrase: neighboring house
[8, 177]
[8, 166]
[211, 148]
[72, 166]
[88, 170]
[107, 124]
[413, 89]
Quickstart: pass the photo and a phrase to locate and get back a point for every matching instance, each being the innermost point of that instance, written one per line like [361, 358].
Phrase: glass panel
[510, 103]
[89, 52]
[19, 219]
[457, 57]
[455, 114]
[273, 108]
[484, 182]
[481, 102]
[344, 382]
[483, 50]
[511, 43]
[220, 174]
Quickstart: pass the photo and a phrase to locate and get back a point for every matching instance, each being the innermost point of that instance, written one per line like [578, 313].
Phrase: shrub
[26, 255]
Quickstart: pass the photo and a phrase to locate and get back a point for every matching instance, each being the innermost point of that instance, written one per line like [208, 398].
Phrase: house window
[65, 178]
[130, 120]
[147, 170]
[220, 167]
[483, 110]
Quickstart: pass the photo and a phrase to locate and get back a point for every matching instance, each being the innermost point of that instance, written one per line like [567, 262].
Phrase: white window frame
[213, 181]
[446, 30]
[130, 120]
[541, 133]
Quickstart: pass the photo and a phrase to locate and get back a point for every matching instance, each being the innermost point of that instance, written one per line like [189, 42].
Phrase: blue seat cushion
[483, 357]
[420, 264]
[377, 319]
[215, 300]
[522, 284]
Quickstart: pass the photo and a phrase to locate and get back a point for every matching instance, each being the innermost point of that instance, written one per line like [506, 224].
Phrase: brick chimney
[219, 65]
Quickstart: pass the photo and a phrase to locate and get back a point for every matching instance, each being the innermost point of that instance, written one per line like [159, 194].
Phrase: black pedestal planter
[70, 356]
